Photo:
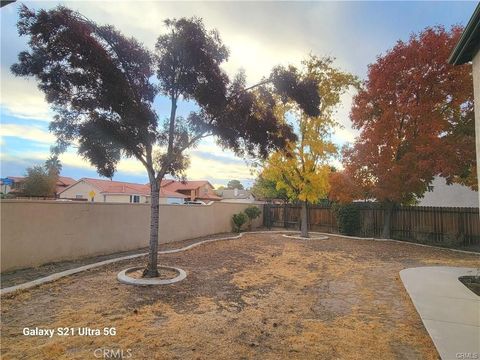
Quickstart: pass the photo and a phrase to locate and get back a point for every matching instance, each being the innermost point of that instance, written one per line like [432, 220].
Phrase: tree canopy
[234, 184]
[41, 181]
[264, 189]
[302, 169]
[99, 83]
[415, 114]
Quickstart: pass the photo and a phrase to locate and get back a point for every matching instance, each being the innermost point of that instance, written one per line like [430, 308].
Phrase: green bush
[348, 218]
[252, 212]
[238, 220]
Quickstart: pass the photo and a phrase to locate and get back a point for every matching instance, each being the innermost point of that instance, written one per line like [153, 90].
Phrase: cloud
[259, 35]
[206, 168]
[21, 98]
[31, 133]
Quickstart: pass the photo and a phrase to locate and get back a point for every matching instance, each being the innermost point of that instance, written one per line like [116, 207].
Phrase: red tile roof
[209, 197]
[168, 188]
[176, 186]
[121, 187]
[168, 193]
[65, 181]
[187, 185]
[118, 187]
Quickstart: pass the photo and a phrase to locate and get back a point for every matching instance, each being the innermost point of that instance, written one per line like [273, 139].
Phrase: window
[78, 196]
[134, 198]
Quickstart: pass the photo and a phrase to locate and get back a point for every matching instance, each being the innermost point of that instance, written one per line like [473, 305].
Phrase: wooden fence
[429, 225]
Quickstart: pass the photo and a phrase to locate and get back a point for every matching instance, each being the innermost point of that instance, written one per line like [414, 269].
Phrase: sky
[259, 35]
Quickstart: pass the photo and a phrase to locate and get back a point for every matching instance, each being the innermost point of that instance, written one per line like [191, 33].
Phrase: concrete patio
[448, 309]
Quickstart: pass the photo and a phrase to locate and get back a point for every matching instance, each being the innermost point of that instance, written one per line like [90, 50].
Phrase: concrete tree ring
[125, 279]
[319, 237]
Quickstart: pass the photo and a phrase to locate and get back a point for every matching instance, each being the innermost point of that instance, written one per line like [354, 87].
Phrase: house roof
[469, 43]
[168, 193]
[230, 194]
[115, 187]
[16, 178]
[184, 185]
[209, 197]
[176, 186]
[65, 181]
[62, 180]
[121, 187]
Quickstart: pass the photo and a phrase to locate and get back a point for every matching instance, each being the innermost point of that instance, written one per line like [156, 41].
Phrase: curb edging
[57, 276]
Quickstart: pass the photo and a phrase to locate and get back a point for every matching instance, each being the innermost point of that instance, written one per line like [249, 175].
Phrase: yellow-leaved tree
[302, 169]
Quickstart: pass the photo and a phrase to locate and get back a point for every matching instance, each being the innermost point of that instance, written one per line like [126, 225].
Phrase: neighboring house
[96, 190]
[14, 184]
[171, 197]
[62, 183]
[236, 195]
[455, 195]
[468, 50]
[11, 184]
[192, 190]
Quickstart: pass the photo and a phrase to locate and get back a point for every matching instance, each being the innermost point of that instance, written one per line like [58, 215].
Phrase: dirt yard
[258, 297]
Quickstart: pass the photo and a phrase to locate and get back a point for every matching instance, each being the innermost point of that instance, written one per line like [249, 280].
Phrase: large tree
[41, 181]
[234, 184]
[415, 114]
[303, 170]
[264, 189]
[38, 182]
[99, 83]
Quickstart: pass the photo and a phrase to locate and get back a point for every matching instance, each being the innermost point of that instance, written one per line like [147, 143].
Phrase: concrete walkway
[448, 309]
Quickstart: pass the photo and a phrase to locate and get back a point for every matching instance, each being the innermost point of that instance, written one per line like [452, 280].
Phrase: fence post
[267, 216]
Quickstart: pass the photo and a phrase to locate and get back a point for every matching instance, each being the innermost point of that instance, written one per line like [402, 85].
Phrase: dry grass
[262, 296]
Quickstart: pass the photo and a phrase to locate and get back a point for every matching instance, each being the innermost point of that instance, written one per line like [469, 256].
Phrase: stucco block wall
[38, 232]
[476, 93]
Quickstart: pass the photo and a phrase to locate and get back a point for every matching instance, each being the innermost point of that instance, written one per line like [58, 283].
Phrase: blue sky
[260, 35]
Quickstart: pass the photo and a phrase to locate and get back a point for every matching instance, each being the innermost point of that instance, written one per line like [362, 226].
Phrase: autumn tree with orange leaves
[416, 121]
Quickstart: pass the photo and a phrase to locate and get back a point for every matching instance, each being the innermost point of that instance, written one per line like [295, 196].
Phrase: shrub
[238, 220]
[252, 212]
[348, 218]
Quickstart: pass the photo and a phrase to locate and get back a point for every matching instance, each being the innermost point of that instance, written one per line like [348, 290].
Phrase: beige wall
[81, 188]
[38, 232]
[476, 92]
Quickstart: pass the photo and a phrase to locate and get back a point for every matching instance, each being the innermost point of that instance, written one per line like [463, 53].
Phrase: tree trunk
[151, 270]
[304, 220]
[387, 221]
